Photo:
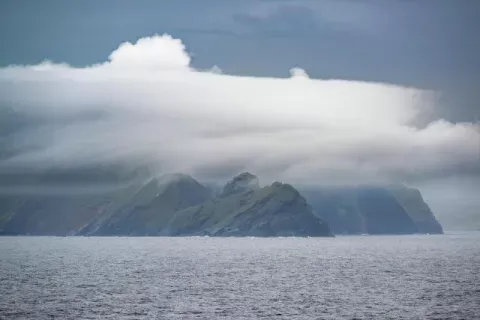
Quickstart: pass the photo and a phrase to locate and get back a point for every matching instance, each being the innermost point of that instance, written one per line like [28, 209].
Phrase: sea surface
[347, 277]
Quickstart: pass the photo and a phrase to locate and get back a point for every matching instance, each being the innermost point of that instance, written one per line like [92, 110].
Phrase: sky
[322, 92]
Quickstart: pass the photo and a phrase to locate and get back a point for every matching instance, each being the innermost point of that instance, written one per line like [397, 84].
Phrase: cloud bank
[146, 105]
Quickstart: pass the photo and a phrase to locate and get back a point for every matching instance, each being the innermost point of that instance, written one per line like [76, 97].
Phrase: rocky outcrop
[149, 210]
[417, 209]
[275, 210]
[241, 183]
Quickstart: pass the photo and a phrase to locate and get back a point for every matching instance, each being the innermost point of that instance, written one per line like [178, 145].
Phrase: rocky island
[179, 205]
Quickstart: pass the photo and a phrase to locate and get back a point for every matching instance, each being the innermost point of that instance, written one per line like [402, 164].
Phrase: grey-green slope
[412, 202]
[275, 210]
[151, 207]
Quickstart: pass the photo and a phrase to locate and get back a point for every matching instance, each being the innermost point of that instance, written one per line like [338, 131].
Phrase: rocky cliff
[373, 210]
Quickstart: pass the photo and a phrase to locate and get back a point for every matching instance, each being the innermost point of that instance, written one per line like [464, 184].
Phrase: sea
[346, 277]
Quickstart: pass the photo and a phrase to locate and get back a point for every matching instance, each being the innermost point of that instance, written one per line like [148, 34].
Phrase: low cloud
[147, 105]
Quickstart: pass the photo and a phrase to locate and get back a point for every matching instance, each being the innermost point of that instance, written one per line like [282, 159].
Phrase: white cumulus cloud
[147, 104]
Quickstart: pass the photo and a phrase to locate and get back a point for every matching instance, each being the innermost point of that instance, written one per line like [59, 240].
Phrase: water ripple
[371, 277]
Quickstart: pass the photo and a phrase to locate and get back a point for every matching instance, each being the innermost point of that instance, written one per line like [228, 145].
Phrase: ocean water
[351, 277]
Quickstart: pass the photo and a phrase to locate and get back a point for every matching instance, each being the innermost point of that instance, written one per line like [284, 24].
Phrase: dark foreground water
[368, 277]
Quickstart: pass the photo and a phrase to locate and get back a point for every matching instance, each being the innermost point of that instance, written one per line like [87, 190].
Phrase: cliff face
[417, 209]
[338, 207]
[373, 210]
[382, 213]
